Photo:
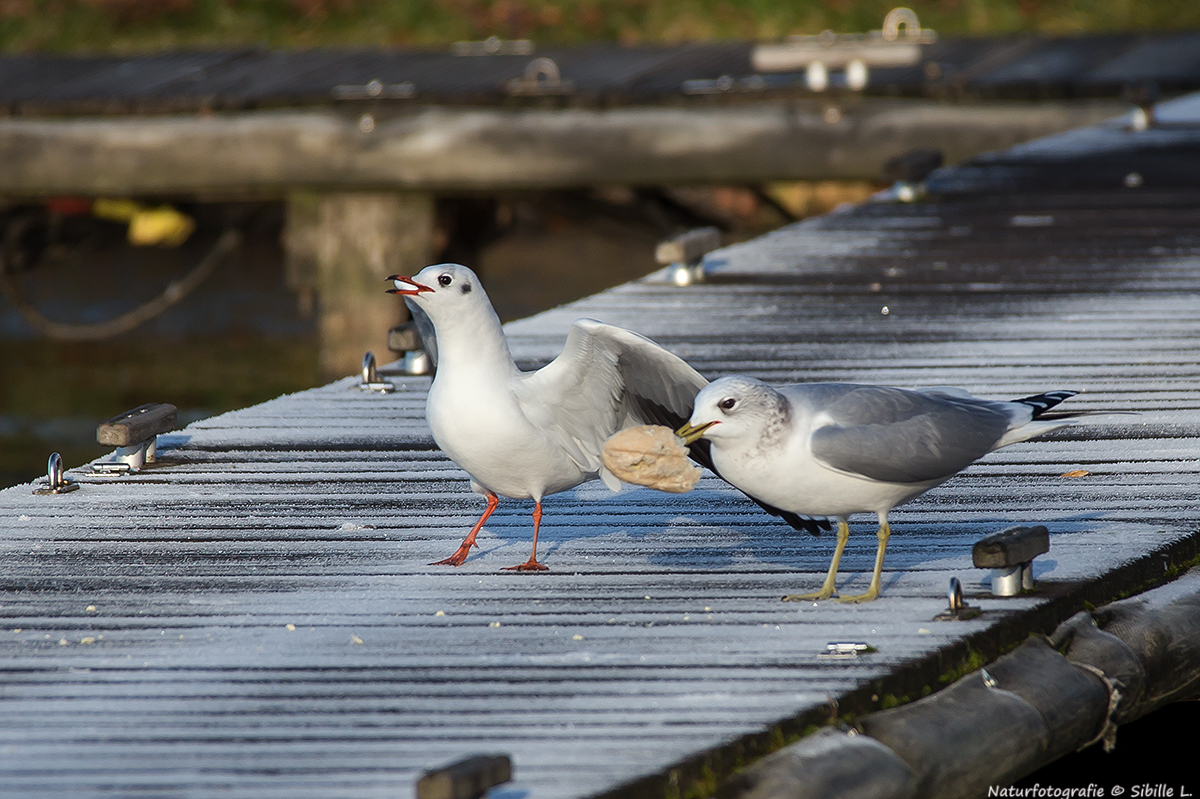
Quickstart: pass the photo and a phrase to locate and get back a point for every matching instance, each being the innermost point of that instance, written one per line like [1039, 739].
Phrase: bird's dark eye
[445, 280]
[727, 404]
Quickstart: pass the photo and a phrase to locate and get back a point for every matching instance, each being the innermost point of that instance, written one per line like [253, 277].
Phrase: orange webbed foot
[457, 559]
[530, 565]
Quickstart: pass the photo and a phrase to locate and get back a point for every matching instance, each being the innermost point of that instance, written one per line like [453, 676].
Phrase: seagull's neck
[473, 343]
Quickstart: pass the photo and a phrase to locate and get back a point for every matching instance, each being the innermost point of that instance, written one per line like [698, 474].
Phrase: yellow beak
[689, 433]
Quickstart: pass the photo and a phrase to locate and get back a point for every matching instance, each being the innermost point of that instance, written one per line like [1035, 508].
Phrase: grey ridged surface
[1013, 67]
[145, 647]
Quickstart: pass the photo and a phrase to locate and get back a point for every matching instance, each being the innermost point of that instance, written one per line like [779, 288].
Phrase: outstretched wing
[606, 379]
[899, 436]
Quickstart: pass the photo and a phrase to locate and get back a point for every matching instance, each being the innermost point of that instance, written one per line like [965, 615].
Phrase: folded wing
[898, 436]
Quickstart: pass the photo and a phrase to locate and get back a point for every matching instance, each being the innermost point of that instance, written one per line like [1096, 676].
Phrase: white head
[450, 294]
[735, 408]
[459, 308]
[441, 289]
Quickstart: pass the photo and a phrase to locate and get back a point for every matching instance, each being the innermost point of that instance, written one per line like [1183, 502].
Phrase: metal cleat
[405, 340]
[135, 435]
[465, 779]
[684, 254]
[1010, 553]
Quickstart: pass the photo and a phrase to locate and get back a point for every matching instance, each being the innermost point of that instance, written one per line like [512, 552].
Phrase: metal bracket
[135, 435]
[370, 382]
[56, 481]
[958, 610]
[842, 650]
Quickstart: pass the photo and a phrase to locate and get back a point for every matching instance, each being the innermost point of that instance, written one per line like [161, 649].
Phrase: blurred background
[77, 274]
[148, 25]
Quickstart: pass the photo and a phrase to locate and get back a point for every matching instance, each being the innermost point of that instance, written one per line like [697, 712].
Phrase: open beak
[689, 433]
[405, 285]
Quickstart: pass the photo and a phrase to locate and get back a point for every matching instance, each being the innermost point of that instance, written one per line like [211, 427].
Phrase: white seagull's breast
[487, 435]
[790, 478]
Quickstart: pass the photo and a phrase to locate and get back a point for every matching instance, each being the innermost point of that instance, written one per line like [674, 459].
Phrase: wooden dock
[254, 617]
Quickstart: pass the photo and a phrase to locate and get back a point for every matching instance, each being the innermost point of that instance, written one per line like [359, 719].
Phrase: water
[243, 337]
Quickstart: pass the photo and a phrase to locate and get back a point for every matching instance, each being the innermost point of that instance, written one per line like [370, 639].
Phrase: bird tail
[1044, 402]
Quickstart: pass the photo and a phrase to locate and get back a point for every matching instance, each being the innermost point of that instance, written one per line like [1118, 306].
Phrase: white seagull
[833, 449]
[525, 435]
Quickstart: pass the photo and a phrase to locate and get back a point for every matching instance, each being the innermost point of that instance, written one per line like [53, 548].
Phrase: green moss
[974, 661]
[705, 785]
[1171, 571]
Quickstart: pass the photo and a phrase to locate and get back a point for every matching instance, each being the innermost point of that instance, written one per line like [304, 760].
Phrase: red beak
[405, 285]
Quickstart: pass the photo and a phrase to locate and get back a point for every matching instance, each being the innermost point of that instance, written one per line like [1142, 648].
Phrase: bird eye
[727, 404]
[445, 280]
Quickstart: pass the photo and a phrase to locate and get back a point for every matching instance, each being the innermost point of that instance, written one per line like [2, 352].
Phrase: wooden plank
[273, 152]
[255, 617]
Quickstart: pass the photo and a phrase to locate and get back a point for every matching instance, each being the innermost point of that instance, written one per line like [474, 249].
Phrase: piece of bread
[653, 456]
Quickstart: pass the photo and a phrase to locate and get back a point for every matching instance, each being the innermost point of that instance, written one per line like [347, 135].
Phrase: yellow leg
[885, 532]
[843, 534]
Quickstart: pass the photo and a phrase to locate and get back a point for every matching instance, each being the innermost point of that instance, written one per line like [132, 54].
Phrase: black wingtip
[1044, 402]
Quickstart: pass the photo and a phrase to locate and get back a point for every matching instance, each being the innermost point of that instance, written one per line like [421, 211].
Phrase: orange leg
[464, 548]
[532, 564]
